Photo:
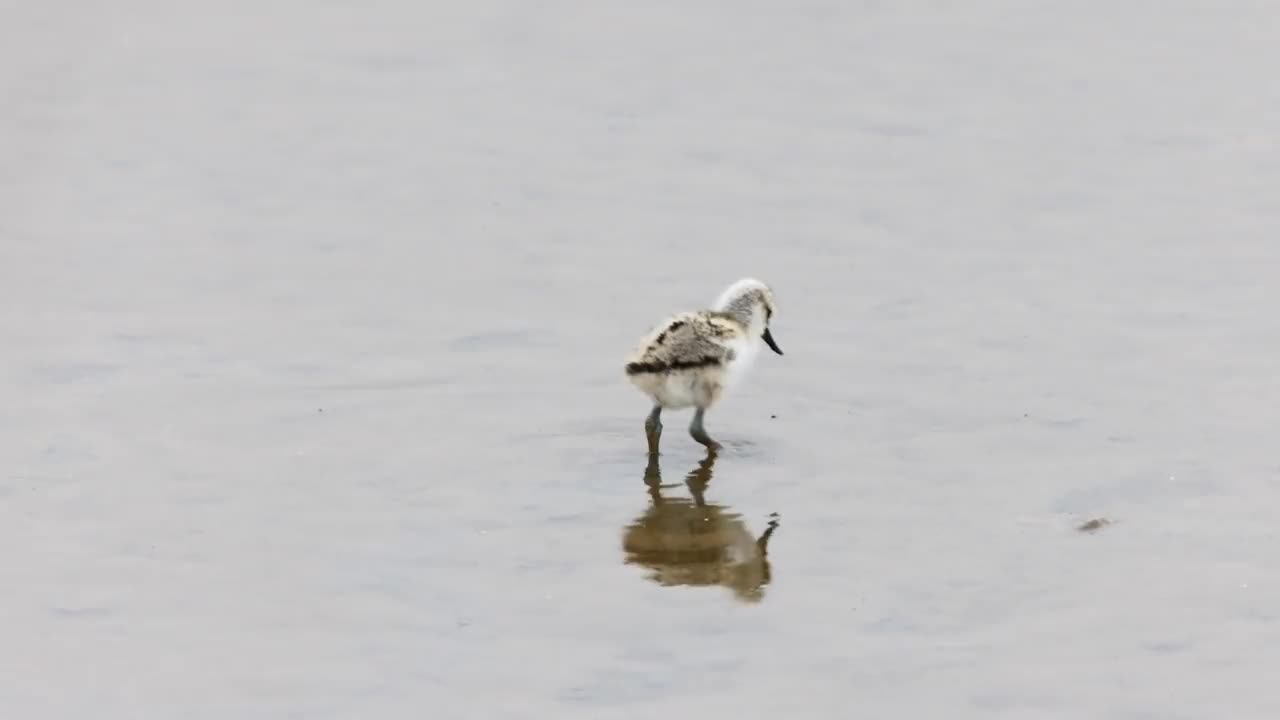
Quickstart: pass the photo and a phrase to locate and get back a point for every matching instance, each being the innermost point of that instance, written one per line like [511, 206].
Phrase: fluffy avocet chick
[693, 357]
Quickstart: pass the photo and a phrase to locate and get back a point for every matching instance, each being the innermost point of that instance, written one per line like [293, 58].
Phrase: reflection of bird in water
[685, 541]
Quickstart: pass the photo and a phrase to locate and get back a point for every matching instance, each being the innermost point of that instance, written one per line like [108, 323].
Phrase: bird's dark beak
[768, 340]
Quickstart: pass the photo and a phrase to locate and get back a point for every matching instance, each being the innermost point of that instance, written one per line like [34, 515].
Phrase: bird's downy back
[686, 341]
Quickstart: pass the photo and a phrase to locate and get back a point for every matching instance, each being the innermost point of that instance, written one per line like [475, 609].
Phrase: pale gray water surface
[313, 317]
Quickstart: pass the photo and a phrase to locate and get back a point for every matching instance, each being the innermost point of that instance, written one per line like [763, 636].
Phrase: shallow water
[314, 318]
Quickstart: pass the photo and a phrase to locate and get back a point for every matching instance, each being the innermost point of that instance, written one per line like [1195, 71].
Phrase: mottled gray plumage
[691, 358]
[741, 307]
[688, 341]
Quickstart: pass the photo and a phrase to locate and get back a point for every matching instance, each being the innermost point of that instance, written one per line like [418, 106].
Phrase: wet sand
[313, 321]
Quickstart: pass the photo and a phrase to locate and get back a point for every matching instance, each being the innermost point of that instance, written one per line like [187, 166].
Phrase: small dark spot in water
[1094, 525]
[773, 417]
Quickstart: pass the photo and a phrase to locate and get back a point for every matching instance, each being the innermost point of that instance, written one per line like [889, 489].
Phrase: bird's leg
[653, 479]
[699, 433]
[653, 429]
